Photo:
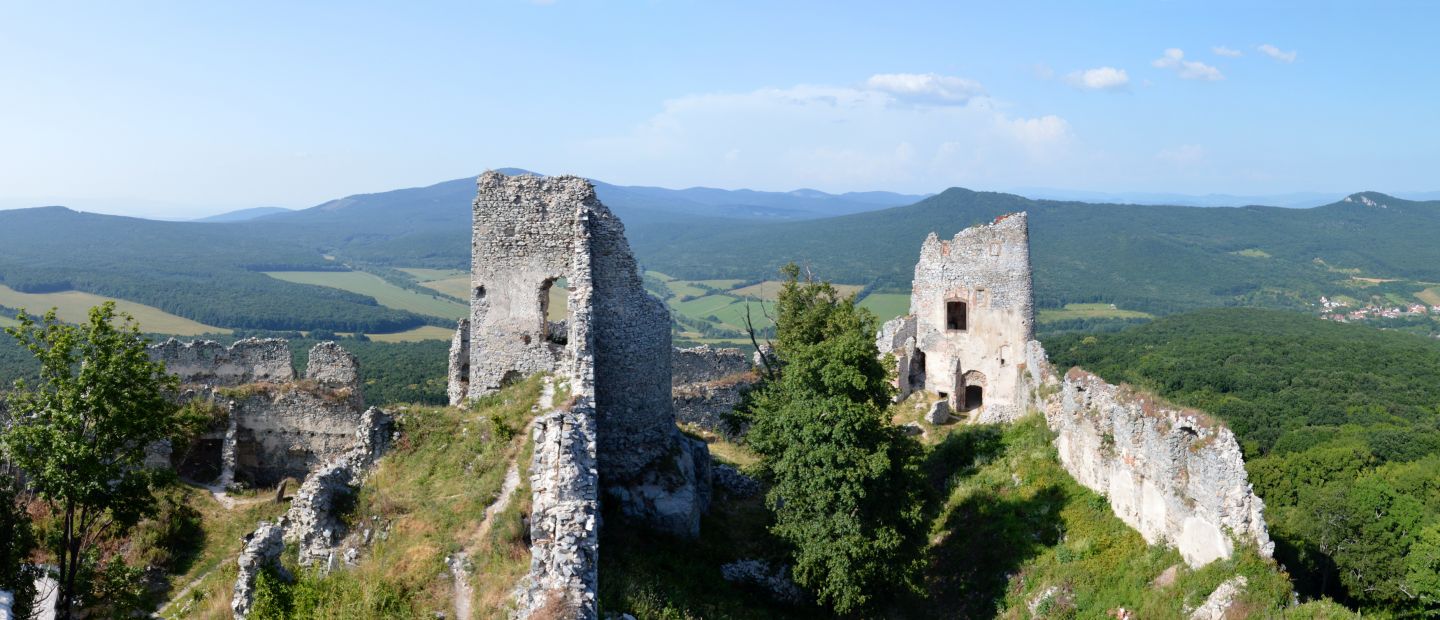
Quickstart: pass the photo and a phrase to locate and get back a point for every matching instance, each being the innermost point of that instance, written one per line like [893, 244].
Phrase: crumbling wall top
[250, 360]
[333, 367]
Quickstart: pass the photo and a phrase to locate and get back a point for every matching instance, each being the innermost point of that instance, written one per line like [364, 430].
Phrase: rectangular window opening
[955, 315]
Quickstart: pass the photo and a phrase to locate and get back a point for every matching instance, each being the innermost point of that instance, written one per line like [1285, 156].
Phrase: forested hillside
[1341, 428]
[1151, 258]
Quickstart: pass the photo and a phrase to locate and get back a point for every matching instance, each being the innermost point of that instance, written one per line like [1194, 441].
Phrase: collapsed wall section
[268, 425]
[707, 384]
[1171, 473]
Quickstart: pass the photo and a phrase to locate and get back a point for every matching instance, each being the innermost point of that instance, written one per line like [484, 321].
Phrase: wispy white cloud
[1221, 50]
[1275, 52]
[895, 130]
[1099, 78]
[1174, 58]
[925, 87]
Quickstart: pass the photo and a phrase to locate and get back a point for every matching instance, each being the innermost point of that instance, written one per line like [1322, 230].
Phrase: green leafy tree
[846, 483]
[17, 575]
[80, 433]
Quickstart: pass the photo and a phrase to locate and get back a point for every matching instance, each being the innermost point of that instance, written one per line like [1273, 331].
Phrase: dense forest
[392, 372]
[205, 272]
[1152, 258]
[1340, 425]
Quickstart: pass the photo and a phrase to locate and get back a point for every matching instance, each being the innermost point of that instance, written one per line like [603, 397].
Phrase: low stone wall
[704, 364]
[211, 363]
[288, 431]
[564, 525]
[1171, 473]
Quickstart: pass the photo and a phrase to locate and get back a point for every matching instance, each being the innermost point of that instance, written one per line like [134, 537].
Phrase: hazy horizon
[182, 110]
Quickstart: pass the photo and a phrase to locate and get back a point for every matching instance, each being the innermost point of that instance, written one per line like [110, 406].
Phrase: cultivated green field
[1089, 311]
[770, 289]
[886, 305]
[448, 281]
[427, 332]
[74, 307]
[1430, 296]
[385, 293]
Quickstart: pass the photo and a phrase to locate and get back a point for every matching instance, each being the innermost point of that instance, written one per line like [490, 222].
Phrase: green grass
[385, 293]
[887, 305]
[770, 289]
[213, 570]
[74, 307]
[1088, 311]
[659, 276]
[723, 285]
[1013, 524]
[733, 315]
[703, 306]
[430, 275]
[428, 497]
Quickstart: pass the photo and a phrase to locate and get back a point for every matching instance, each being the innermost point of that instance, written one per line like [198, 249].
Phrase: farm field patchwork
[385, 293]
[1089, 311]
[770, 289]
[448, 281]
[1430, 296]
[74, 307]
[427, 332]
[887, 305]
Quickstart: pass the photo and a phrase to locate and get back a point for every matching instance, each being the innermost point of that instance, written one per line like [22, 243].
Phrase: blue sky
[187, 108]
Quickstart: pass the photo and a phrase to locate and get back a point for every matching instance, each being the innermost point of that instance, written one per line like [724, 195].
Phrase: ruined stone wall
[564, 518]
[525, 233]
[211, 363]
[987, 268]
[704, 364]
[707, 384]
[274, 426]
[1171, 473]
[457, 385]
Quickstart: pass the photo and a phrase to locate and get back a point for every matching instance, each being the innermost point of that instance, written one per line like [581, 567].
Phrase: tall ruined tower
[971, 315]
[618, 435]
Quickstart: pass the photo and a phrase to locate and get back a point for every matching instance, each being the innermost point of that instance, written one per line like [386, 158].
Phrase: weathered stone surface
[730, 480]
[274, 426]
[971, 315]
[312, 521]
[704, 364]
[773, 580]
[1217, 605]
[457, 388]
[333, 367]
[528, 233]
[1173, 474]
[262, 550]
[938, 413]
[208, 362]
[564, 534]
[913, 429]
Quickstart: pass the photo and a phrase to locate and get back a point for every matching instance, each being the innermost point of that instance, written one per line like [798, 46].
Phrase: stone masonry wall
[987, 268]
[564, 518]
[707, 384]
[277, 426]
[211, 363]
[1171, 473]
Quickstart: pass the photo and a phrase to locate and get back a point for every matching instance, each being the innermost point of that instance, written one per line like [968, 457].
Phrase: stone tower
[971, 315]
[531, 232]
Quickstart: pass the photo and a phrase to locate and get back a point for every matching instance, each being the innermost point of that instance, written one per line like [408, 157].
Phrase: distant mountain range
[243, 214]
[1154, 258]
[1293, 200]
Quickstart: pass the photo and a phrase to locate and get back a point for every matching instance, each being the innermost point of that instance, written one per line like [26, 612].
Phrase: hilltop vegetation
[1341, 428]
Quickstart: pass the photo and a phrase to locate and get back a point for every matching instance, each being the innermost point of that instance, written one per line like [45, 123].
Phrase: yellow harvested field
[1430, 296]
[1089, 311]
[371, 285]
[74, 307]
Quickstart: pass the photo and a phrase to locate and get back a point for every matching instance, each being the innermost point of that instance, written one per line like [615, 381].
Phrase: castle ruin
[971, 315]
[617, 436]
[1174, 475]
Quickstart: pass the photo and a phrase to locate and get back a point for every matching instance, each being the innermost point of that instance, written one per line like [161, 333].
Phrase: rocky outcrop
[1217, 605]
[1173, 474]
[262, 550]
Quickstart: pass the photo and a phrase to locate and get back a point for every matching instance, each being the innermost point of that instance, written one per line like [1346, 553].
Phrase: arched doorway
[972, 391]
